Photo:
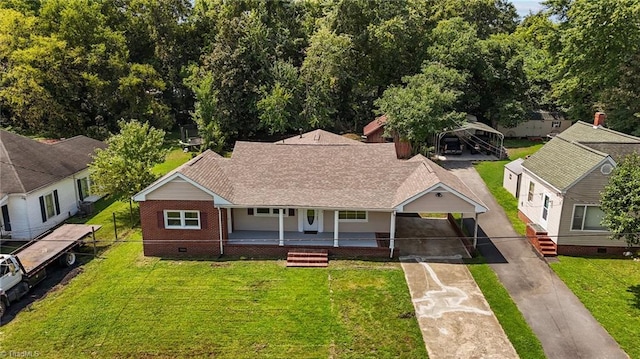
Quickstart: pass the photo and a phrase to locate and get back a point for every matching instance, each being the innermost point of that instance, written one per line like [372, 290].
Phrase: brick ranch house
[317, 190]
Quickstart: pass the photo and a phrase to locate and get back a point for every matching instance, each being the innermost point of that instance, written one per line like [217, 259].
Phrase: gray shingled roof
[585, 132]
[334, 175]
[576, 151]
[561, 163]
[26, 164]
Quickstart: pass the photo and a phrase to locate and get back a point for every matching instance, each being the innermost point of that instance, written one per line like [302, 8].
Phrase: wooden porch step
[547, 247]
[308, 258]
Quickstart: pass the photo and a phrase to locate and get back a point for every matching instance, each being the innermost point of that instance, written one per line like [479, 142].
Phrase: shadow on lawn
[635, 290]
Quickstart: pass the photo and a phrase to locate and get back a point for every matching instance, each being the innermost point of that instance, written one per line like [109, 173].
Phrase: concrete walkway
[454, 317]
[564, 326]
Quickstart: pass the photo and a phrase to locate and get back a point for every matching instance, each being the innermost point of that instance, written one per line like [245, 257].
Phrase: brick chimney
[599, 119]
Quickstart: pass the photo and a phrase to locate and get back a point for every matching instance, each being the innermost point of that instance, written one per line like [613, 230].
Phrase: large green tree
[124, 167]
[425, 105]
[621, 201]
[598, 60]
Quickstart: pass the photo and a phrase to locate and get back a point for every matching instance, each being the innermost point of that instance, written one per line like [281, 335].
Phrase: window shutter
[80, 189]
[292, 212]
[250, 211]
[203, 220]
[43, 211]
[160, 219]
[55, 199]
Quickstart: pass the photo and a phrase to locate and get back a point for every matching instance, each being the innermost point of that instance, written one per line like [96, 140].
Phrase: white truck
[26, 267]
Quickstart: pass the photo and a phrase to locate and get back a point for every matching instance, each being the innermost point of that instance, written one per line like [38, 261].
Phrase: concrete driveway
[454, 317]
[564, 326]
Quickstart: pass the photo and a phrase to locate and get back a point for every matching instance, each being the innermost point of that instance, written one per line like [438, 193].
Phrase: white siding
[446, 203]
[533, 209]
[179, 189]
[510, 182]
[24, 210]
[376, 222]
[242, 221]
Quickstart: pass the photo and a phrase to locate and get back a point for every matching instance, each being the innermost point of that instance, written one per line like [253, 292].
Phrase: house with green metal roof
[559, 194]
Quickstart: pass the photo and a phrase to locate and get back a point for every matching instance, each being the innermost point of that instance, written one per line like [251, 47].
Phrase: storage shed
[512, 174]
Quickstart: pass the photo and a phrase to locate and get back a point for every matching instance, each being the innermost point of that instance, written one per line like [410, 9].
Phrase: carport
[476, 136]
[450, 198]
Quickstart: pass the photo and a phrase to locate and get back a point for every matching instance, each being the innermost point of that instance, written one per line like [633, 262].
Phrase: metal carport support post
[475, 231]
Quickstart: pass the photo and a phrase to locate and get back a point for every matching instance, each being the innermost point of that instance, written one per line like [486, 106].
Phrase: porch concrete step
[308, 258]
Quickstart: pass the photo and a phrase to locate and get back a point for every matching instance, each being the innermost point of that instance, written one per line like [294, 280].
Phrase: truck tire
[68, 259]
[3, 307]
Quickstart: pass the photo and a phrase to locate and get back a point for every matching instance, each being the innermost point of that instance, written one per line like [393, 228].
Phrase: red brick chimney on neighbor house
[599, 119]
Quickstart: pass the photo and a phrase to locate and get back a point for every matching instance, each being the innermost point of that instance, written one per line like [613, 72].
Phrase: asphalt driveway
[454, 317]
[564, 326]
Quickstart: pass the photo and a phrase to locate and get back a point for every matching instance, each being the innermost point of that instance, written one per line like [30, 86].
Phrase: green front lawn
[126, 305]
[610, 289]
[492, 175]
[520, 334]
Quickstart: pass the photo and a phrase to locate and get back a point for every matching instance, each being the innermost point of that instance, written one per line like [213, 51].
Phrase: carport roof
[336, 174]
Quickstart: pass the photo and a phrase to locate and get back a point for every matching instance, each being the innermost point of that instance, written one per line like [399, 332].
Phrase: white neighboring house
[42, 184]
[561, 185]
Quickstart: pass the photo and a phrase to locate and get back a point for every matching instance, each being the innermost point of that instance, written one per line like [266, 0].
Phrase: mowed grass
[520, 334]
[610, 289]
[492, 173]
[126, 305]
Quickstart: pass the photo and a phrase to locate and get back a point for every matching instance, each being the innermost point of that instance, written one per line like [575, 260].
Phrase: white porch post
[281, 226]
[336, 222]
[392, 234]
[220, 230]
[229, 221]
[475, 232]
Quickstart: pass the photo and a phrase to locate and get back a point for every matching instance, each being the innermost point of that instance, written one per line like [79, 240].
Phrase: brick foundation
[593, 250]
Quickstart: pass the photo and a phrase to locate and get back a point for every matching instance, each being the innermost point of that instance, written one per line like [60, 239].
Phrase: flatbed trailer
[26, 266]
[37, 254]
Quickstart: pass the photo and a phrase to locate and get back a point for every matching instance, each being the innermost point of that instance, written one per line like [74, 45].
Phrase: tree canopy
[124, 167]
[621, 201]
[247, 67]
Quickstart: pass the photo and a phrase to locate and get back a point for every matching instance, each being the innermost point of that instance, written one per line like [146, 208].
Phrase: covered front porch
[292, 238]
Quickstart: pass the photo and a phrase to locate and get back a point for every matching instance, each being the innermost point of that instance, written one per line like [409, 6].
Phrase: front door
[310, 220]
[545, 210]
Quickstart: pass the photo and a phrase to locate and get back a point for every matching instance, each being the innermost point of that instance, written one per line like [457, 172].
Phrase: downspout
[220, 230]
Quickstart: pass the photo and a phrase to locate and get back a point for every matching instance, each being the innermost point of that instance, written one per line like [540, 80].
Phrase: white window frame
[273, 212]
[556, 124]
[584, 216]
[46, 205]
[531, 192]
[346, 212]
[183, 219]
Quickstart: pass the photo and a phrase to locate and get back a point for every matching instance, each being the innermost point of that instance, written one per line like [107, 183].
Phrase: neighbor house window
[532, 188]
[587, 218]
[352, 216]
[555, 124]
[269, 212]
[49, 205]
[182, 219]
